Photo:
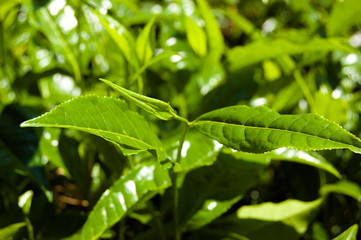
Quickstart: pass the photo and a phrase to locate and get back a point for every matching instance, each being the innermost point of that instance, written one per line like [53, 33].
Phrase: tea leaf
[196, 37]
[260, 129]
[141, 182]
[154, 106]
[343, 187]
[349, 234]
[106, 117]
[143, 44]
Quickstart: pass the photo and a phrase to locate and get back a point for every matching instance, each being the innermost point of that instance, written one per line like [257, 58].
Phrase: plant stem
[177, 231]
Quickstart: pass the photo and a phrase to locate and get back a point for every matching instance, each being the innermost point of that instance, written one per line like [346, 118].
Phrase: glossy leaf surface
[143, 180]
[154, 106]
[106, 117]
[256, 52]
[349, 234]
[260, 130]
[203, 196]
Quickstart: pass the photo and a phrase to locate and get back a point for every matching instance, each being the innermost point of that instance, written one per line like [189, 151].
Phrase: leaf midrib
[277, 129]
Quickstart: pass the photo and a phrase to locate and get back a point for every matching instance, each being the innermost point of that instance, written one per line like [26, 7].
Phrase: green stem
[177, 230]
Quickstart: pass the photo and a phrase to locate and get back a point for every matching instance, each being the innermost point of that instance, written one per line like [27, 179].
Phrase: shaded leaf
[154, 106]
[339, 22]
[9, 232]
[284, 154]
[256, 52]
[106, 117]
[260, 129]
[143, 180]
[204, 197]
[343, 187]
[143, 44]
[349, 234]
[196, 37]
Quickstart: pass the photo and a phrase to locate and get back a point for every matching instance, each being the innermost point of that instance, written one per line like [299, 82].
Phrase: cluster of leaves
[206, 126]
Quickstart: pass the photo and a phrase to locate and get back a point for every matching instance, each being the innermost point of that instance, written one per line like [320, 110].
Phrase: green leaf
[143, 43]
[106, 117]
[256, 52]
[154, 106]
[260, 129]
[214, 33]
[56, 38]
[25, 201]
[196, 37]
[8, 233]
[204, 197]
[349, 234]
[144, 180]
[284, 154]
[339, 22]
[197, 151]
[291, 213]
[343, 187]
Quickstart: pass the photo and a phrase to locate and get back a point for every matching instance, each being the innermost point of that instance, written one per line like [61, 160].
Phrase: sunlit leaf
[213, 31]
[52, 32]
[196, 37]
[106, 117]
[343, 187]
[243, 56]
[154, 106]
[143, 43]
[349, 234]
[142, 181]
[8, 233]
[260, 129]
[339, 22]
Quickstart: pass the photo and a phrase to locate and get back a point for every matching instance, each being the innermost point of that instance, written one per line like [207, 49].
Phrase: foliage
[180, 119]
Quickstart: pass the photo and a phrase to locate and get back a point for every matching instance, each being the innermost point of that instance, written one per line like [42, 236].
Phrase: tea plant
[211, 120]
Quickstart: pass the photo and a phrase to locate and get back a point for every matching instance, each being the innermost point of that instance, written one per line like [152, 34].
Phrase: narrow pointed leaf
[196, 37]
[106, 117]
[256, 52]
[144, 180]
[260, 129]
[154, 106]
[343, 187]
[143, 44]
[349, 234]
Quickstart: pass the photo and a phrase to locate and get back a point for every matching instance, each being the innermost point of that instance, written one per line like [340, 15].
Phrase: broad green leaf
[344, 14]
[143, 43]
[143, 181]
[285, 154]
[291, 213]
[209, 191]
[154, 106]
[343, 187]
[52, 32]
[213, 31]
[349, 234]
[197, 151]
[196, 37]
[8, 233]
[260, 129]
[243, 56]
[106, 117]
